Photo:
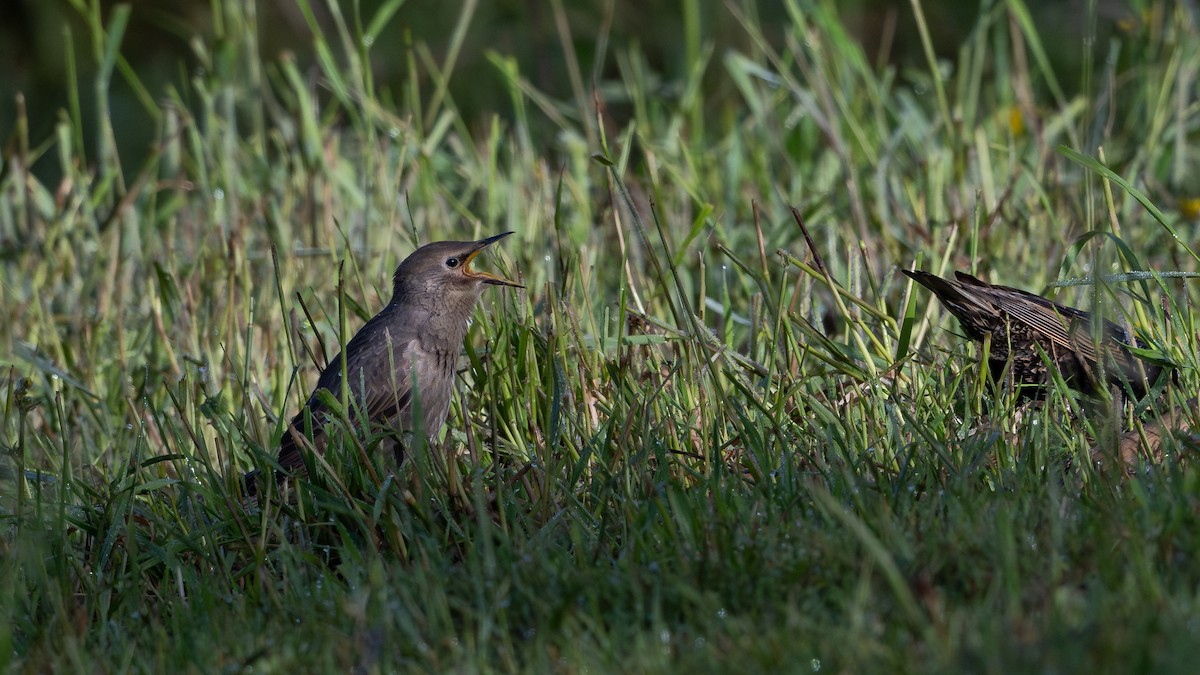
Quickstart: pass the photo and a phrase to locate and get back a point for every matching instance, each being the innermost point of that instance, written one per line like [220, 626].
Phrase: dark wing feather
[1062, 325]
[379, 374]
[987, 308]
[1056, 324]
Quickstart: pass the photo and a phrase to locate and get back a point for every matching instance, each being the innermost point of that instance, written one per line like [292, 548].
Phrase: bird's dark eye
[452, 262]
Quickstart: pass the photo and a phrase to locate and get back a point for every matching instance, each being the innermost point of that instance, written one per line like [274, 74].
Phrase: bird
[1023, 326]
[402, 360]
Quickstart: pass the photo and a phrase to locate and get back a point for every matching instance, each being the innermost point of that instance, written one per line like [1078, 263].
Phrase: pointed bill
[484, 276]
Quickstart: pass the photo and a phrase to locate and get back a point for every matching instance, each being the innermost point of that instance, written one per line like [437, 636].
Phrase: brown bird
[408, 351]
[1019, 323]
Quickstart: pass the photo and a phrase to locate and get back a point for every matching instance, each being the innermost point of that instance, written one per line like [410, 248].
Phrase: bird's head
[442, 270]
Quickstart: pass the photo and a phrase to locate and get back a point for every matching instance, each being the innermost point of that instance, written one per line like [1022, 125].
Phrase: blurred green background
[162, 46]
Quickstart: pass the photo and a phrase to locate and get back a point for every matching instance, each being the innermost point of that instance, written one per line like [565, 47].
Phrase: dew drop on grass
[394, 132]
[218, 194]
[816, 665]
[722, 613]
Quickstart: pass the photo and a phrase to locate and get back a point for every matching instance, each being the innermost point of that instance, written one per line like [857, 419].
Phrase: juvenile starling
[413, 342]
[1019, 323]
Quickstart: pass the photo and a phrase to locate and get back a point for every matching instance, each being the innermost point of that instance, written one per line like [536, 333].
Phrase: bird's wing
[378, 368]
[1065, 326]
[977, 304]
[1062, 326]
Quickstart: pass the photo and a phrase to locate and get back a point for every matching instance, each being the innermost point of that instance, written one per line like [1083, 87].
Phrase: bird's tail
[952, 293]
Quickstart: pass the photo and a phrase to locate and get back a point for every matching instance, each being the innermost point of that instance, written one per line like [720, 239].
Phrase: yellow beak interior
[484, 276]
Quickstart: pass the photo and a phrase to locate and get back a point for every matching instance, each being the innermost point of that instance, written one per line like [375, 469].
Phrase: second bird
[403, 359]
[1020, 323]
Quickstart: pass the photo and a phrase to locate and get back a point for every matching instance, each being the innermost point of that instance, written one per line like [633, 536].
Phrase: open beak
[484, 276]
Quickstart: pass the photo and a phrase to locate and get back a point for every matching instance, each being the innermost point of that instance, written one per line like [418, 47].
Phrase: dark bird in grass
[401, 361]
[1023, 326]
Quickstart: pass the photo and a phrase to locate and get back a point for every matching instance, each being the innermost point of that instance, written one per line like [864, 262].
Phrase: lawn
[697, 440]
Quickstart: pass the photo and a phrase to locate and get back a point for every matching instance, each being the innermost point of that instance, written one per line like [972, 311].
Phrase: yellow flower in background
[1016, 120]
[1129, 24]
[1190, 208]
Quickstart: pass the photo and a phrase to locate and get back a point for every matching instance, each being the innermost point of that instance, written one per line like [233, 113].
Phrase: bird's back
[383, 361]
[1020, 323]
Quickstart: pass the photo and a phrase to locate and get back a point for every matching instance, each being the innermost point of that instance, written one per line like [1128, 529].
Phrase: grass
[693, 443]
